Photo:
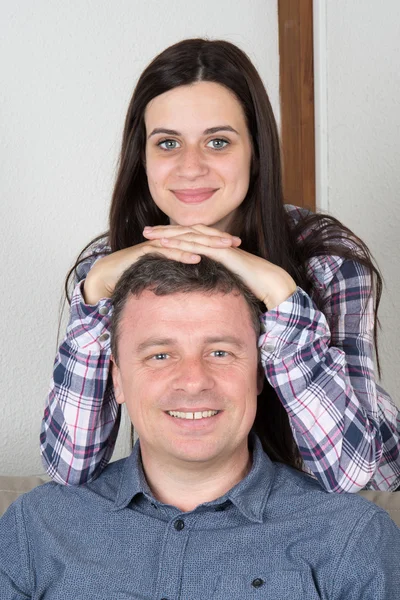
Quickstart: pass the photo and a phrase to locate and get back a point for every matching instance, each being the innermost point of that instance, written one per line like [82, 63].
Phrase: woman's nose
[192, 163]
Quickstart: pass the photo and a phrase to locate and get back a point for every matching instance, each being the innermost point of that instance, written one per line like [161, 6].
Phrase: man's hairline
[235, 291]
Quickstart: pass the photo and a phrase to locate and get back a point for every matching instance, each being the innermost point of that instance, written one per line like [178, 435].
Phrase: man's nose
[192, 163]
[193, 377]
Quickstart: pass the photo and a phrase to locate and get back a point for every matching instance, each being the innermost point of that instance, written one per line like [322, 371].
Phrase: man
[198, 511]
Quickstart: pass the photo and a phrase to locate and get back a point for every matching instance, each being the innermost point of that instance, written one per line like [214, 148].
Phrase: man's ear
[116, 377]
[260, 378]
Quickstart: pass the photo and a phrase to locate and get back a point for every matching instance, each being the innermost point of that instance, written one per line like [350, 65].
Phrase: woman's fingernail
[147, 228]
[225, 241]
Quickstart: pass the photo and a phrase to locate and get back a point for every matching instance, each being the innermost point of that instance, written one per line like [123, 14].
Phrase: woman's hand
[269, 283]
[103, 276]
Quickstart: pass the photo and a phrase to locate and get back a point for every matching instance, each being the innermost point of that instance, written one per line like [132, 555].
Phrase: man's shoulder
[101, 492]
[305, 494]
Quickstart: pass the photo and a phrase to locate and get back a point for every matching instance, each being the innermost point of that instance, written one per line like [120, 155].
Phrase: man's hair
[163, 276]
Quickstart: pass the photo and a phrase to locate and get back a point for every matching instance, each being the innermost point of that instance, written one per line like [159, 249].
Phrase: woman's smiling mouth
[194, 196]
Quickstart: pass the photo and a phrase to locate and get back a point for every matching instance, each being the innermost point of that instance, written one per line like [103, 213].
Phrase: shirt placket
[172, 556]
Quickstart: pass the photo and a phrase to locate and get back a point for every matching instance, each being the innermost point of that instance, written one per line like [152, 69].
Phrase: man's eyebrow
[152, 342]
[208, 131]
[227, 339]
[161, 341]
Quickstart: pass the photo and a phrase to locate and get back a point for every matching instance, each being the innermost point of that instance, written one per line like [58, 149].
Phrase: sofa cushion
[390, 501]
[12, 487]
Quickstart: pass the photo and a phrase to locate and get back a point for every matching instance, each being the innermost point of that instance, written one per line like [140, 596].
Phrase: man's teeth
[192, 415]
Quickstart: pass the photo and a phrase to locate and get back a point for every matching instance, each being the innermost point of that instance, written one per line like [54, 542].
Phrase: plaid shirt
[320, 364]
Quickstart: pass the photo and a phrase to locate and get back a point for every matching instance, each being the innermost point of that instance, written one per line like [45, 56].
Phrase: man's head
[184, 342]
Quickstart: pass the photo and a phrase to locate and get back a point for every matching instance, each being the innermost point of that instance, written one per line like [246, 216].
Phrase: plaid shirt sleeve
[321, 366]
[81, 417]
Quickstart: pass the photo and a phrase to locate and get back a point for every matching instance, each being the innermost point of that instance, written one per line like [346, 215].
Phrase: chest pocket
[94, 584]
[274, 585]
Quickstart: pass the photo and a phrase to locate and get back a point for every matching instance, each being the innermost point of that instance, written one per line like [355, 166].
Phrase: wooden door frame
[296, 74]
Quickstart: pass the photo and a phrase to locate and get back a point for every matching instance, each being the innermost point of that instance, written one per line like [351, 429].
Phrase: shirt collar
[249, 495]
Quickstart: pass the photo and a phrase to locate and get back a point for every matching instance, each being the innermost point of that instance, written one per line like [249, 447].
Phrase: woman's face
[198, 154]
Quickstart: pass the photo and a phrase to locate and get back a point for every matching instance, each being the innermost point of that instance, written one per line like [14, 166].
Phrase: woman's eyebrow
[208, 131]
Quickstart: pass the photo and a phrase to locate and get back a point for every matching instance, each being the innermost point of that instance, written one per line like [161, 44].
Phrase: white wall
[68, 71]
[358, 143]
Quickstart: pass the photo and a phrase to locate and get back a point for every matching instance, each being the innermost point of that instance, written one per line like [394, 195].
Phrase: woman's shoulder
[326, 242]
[331, 232]
[96, 249]
[297, 214]
[100, 245]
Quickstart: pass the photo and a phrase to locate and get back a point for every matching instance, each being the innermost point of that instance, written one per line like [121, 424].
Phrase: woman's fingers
[205, 229]
[197, 240]
[176, 253]
[201, 235]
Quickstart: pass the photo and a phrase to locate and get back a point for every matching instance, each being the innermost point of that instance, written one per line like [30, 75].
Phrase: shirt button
[257, 583]
[179, 525]
[268, 348]
[104, 337]
[104, 310]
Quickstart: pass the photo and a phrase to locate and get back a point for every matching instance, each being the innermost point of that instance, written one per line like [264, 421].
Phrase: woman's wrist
[92, 291]
[280, 290]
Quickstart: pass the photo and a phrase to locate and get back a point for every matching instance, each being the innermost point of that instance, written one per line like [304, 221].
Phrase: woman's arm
[321, 366]
[81, 417]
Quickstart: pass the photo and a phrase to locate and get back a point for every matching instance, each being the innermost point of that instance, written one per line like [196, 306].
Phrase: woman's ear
[116, 377]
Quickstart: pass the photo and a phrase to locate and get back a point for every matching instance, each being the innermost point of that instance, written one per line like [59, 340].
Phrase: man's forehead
[151, 310]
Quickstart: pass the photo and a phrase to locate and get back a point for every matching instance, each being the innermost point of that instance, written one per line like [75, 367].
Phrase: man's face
[183, 356]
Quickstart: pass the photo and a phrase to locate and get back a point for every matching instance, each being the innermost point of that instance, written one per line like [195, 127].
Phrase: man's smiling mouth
[192, 415]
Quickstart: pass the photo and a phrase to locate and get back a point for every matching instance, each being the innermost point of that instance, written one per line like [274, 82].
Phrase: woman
[200, 174]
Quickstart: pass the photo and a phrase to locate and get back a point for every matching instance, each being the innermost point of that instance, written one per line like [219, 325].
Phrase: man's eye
[168, 144]
[217, 144]
[160, 356]
[220, 353]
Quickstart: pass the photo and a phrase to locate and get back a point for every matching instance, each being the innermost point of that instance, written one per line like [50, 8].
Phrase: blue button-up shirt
[275, 535]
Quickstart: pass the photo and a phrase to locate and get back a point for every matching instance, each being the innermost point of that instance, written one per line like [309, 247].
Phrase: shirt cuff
[89, 325]
[294, 323]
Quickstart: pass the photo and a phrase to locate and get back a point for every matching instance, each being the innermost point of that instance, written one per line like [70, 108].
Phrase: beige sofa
[12, 487]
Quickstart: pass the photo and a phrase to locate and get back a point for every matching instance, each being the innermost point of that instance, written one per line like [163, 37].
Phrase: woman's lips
[194, 196]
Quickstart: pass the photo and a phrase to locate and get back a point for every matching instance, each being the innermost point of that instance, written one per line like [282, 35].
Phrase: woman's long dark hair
[261, 220]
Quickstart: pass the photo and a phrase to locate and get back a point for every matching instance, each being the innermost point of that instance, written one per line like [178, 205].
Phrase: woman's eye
[168, 144]
[217, 144]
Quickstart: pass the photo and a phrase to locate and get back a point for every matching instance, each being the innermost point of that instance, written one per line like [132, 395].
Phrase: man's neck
[186, 486]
